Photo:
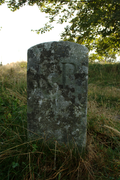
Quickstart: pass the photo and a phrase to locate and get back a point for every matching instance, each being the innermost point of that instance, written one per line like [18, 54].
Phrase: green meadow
[21, 159]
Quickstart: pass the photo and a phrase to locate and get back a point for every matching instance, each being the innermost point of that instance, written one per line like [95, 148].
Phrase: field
[21, 159]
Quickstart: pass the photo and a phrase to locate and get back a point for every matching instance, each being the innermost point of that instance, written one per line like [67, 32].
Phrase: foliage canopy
[95, 24]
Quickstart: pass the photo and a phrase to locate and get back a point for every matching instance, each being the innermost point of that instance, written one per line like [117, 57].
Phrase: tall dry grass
[43, 160]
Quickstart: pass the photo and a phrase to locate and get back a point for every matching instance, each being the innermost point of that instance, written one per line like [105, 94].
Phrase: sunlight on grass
[44, 160]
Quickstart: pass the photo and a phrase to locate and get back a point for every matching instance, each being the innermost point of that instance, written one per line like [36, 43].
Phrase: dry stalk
[55, 156]
[115, 130]
[30, 167]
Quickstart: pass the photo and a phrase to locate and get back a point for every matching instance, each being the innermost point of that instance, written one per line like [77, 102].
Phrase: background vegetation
[21, 159]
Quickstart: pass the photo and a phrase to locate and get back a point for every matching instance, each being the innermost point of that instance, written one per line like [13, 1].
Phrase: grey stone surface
[57, 75]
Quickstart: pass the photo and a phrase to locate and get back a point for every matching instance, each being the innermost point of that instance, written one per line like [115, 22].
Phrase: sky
[16, 36]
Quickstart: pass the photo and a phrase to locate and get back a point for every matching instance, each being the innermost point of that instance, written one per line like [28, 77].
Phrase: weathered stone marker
[57, 76]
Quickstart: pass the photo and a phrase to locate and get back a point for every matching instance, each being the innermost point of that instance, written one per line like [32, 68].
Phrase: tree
[95, 24]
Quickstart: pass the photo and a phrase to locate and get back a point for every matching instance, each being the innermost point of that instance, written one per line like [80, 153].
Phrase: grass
[21, 159]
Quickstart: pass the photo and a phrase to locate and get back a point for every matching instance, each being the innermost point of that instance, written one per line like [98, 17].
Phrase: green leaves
[2, 1]
[47, 27]
[94, 24]
[14, 165]
[35, 147]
